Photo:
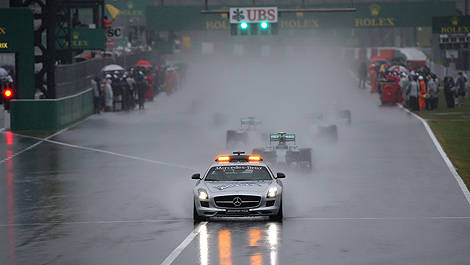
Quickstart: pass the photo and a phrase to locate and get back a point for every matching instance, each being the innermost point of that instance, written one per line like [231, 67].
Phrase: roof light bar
[223, 158]
[255, 158]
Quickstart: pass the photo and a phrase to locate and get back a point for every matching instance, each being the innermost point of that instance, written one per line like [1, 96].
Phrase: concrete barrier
[50, 114]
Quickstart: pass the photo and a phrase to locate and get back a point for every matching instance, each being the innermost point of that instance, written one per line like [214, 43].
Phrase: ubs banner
[368, 15]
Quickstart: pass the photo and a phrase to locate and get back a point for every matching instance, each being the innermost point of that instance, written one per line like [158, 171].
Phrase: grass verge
[452, 129]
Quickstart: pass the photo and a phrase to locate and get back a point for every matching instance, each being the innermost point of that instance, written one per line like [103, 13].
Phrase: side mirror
[281, 175]
[196, 176]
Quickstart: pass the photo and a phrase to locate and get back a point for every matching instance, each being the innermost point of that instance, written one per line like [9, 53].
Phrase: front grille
[247, 201]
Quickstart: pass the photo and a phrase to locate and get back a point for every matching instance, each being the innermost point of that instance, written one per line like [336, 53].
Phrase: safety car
[238, 185]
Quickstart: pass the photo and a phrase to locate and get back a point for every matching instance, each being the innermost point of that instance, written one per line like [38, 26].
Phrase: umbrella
[112, 68]
[398, 68]
[378, 58]
[3, 73]
[8, 67]
[143, 63]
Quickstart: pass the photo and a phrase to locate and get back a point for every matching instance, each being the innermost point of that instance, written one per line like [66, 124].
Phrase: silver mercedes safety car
[238, 185]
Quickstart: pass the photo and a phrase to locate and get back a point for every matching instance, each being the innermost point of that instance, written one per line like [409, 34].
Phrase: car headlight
[202, 194]
[272, 192]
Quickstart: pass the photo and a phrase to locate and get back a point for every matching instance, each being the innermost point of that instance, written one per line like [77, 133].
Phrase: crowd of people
[418, 88]
[127, 90]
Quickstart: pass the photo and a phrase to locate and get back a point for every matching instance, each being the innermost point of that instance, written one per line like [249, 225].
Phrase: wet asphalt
[116, 189]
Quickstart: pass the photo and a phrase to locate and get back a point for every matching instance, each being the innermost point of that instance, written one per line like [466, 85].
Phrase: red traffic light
[8, 93]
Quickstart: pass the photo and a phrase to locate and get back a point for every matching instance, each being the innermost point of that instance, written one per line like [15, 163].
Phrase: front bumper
[260, 210]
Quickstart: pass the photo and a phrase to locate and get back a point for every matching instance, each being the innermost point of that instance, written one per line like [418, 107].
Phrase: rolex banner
[82, 39]
[451, 25]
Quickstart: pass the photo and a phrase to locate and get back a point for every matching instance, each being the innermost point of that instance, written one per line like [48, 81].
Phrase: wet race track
[116, 188]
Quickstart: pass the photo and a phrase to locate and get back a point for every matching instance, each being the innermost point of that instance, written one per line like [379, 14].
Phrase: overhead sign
[133, 8]
[368, 15]
[83, 39]
[451, 25]
[114, 33]
[253, 14]
[17, 37]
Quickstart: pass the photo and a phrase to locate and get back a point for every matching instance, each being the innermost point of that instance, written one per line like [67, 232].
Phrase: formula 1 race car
[238, 185]
[283, 151]
[241, 136]
[344, 116]
[322, 129]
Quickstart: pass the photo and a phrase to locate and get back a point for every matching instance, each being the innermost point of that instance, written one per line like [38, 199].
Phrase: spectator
[362, 74]
[108, 92]
[133, 88]
[461, 85]
[117, 91]
[412, 93]
[433, 91]
[449, 91]
[76, 20]
[404, 84]
[422, 93]
[126, 92]
[95, 85]
[141, 88]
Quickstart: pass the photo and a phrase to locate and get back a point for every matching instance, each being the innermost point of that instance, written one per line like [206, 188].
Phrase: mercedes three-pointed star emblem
[237, 201]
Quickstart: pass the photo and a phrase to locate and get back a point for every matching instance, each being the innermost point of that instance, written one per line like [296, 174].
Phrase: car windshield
[238, 173]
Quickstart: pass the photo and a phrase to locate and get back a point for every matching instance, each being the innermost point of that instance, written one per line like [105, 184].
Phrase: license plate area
[237, 211]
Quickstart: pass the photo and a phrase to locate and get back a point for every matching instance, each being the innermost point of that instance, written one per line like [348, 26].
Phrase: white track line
[177, 251]
[378, 218]
[41, 140]
[444, 156]
[109, 153]
[143, 221]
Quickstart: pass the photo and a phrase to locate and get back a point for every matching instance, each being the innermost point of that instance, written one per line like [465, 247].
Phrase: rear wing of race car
[249, 121]
[277, 137]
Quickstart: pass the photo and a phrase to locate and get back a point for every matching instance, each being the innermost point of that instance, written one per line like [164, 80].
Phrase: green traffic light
[264, 25]
[244, 25]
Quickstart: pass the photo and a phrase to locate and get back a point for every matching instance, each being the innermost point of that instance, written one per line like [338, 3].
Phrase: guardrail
[50, 114]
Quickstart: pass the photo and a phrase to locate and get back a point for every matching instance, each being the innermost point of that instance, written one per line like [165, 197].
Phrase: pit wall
[50, 114]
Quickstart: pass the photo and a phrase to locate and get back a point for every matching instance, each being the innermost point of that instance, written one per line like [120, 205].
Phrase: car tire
[345, 114]
[333, 133]
[244, 138]
[279, 216]
[231, 135]
[269, 156]
[196, 217]
[306, 157]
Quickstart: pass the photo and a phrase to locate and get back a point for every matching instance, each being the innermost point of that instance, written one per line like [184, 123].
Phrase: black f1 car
[283, 151]
[241, 136]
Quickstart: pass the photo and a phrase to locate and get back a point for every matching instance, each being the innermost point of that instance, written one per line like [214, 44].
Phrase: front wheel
[279, 216]
[196, 217]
